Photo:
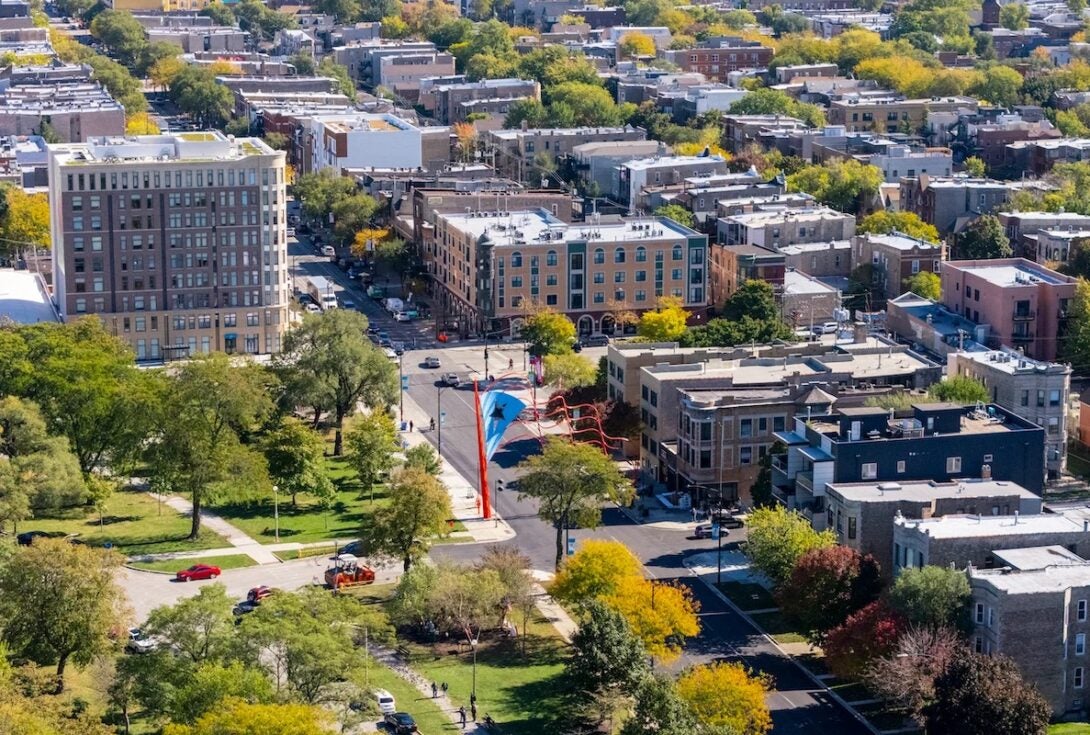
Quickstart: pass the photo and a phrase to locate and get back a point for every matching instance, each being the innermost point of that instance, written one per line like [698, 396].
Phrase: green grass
[309, 521]
[231, 561]
[323, 550]
[521, 690]
[429, 718]
[774, 624]
[1069, 728]
[1078, 465]
[748, 596]
[134, 523]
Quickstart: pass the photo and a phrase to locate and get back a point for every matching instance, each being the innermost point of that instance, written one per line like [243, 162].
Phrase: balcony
[783, 497]
[779, 462]
[1020, 316]
[805, 481]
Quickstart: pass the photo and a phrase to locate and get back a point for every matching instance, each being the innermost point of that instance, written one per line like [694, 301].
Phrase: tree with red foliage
[864, 637]
[826, 586]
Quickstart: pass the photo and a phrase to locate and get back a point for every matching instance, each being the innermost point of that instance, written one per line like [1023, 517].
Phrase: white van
[385, 702]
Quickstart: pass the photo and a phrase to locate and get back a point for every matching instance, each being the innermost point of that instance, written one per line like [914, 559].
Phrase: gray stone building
[894, 258]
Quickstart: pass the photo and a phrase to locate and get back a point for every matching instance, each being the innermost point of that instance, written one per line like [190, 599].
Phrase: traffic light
[499, 486]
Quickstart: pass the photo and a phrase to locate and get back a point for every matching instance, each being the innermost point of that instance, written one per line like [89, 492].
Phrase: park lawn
[134, 523]
[230, 561]
[429, 718]
[523, 692]
[1069, 728]
[309, 521]
[774, 624]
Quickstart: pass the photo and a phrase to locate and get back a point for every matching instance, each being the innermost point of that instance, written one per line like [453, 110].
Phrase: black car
[26, 538]
[399, 722]
[355, 548]
[245, 607]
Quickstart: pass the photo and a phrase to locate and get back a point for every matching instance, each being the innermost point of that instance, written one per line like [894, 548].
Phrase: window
[900, 466]
[745, 428]
[870, 471]
[978, 644]
[550, 258]
[1077, 677]
[599, 256]
[953, 464]
[641, 254]
[979, 616]
[618, 276]
[1025, 398]
[1054, 398]
[1040, 399]
[618, 255]
[851, 527]
[599, 277]
[778, 423]
[1080, 644]
[516, 259]
[675, 254]
[745, 455]
[1080, 613]
[991, 617]
[550, 299]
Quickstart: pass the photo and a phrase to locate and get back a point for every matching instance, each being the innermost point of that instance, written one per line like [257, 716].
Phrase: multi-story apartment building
[453, 101]
[64, 96]
[972, 538]
[936, 441]
[1057, 246]
[820, 259]
[892, 114]
[733, 265]
[864, 514]
[1034, 610]
[598, 165]
[636, 176]
[495, 267]
[403, 73]
[177, 242]
[513, 151]
[774, 227]
[950, 203]
[894, 258]
[361, 140]
[1035, 390]
[1021, 227]
[1024, 304]
[717, 57]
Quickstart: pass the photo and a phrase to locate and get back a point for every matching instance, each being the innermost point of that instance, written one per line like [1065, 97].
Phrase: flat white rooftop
[23, 298]
[153, 149]
[1032, 581]
[927, 491]
[901, 242]
[532, 227]
[967, 526]
[1011, 273]
[797, 283]
[1036, 557]
[644, 164]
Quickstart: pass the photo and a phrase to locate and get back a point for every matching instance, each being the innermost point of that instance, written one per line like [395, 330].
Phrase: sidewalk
[238, 540]
[550, 608]
[442, 701]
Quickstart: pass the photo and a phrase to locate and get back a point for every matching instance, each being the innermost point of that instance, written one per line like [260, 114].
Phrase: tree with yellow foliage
[726, 695]
[596, 570]
[163, 71]
[666, 323]
[366, 240]
[140, 123]
[25, 222]
[661, 614]
[467, 140]
[636, 44]
[224, 68]
[237, 717]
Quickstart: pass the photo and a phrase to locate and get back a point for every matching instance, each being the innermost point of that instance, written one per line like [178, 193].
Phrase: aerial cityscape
[544, 367]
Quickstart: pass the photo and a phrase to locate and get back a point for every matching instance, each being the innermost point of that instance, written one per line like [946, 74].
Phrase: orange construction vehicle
[348, 572]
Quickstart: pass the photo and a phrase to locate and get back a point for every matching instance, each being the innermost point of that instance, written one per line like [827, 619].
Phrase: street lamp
[473, 688]
[401, 383]
[439, 417]
[276, 512]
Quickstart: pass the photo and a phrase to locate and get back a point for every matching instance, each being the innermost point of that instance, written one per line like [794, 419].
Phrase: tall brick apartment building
[717, 57]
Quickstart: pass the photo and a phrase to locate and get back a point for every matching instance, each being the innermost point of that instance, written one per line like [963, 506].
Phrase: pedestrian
[433, 424]
[462, 716]
[434, 690]
[410, 426]
[473, 698]
[473, 711]
[444, 687]
[510, 364]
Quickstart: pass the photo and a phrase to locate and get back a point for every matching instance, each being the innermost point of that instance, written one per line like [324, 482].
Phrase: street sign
[715, 531]
[404, 382]
[571, 546]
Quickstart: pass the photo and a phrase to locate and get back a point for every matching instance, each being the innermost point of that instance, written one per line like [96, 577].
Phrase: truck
[347, 572]
[376, 292]
[321, 290]
[394, 305]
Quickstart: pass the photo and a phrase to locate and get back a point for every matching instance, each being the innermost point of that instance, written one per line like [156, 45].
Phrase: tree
[926, 284]
[984, 238]
[120, 32]
[304, 64]
[59, 603]
[200, 628]
[237, 717]
[339, 72]
[666, 323]
[411, 605]
[582, 103]
[424, 457]
[660, 709]
[352, 214]
[260, 20]
[197, 93]
[152, 53]
[296, 457]
[418, 512]
[209, 684]
[755, 299]
[331, 357]
[163, 71]
[677, 213]
[510, 566]
[1076, 346]
[548, 333]
[760, 492]
[634, 43]
[826, 586]
[998, 84]
[661, 614]
[1014, 16]
[606, 655]
[570, 483]
[569, 370]
[372, 441]
[975, 167]
[960, 389]
[981, 694]
[865, 636]
[594, 571]
[25, 220]
[141, 124]
[907, 223]
[778, 538]
[905, 676]
[464, 599]
[394, 254]
[37, 471]
[774, 102]
[932, 597]
[843, 185]
[220, 14]
[727, 695]
[208, 404]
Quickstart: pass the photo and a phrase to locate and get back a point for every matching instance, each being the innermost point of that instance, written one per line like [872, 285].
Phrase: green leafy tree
[570, 483]
[320, 191]
[548, 333]
[199, 628]
[607, 658]
[333, 70]
[466, 599]
[304, 64]
[211, 683]
[775, 102]
[394, 254]
[120, 83]
[529, 111]
[120, 32]
[960, 389]
[1014, 16]
[843, 185]
[907, 223]
[296, 457]
[677, 213]
[985, 238]
[329, 354]
[238, 717]
[998, 84]
[825, 586]
[665, 323]
[345, 11]
[932, 597]
[925, 284]
[257, 18]
[985, 695]
[220, 14]
[975, 167]
[552, 65]
[760, 491]
[207, 406]
[659, 709]
[418, 513]
[424, 457]
[154, 52]
[195, 90]
[578, 103]
[1076, 345]
[778, 538]
[60, 602]
[372, 440]
[755, 299]
[570, 370]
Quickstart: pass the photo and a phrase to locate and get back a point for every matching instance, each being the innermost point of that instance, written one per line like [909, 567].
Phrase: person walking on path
[444, 687]
[434, 690]
[462, 716]
[473, 710]
[410, 426]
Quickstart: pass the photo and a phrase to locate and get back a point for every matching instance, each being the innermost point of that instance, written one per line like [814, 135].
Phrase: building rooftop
[796, 282]
[23, 298]
[777, 216]
[534, 132]
[1009, 272]
[732, 397]
[1014, 362]
[193, 146]
[901, 242]
[528, 227]
[1053, 579]
[643, 164]
[984, 526]
[813, 247]
[927, 491]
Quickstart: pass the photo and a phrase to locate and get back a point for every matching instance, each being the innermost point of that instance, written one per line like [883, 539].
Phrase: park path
[240, 542]
[396, 664]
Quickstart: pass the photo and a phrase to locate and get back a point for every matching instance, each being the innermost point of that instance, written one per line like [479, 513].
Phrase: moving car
[432, 362]
[451, 379]
[198, 571]
[595, 340]
[401, 316]
[400, 723]
[139, 643]
[348, 304]
[704, 530]
[385, 700]
[329, 251]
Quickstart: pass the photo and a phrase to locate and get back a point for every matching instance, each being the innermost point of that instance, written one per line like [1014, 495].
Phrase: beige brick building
[177, 242]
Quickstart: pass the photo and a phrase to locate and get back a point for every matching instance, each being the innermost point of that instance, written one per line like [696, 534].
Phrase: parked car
[401, 316]
[726, 518]
[198, 571]
[245, 607]
[313, 308]
[432, 362]
[451, 379]
[139, 643]
[384, 336]
[348, 303]
[291, 232]
[398, 348]
[400, 723]
[329, 251]
[26, 538]
[385, 700]
[389, 352]
[260, 593]
[826, 328]
[355, 548]
[595, 340]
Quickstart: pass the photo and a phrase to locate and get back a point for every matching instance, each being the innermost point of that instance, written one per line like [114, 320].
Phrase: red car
[259, 593]
[198, 571]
